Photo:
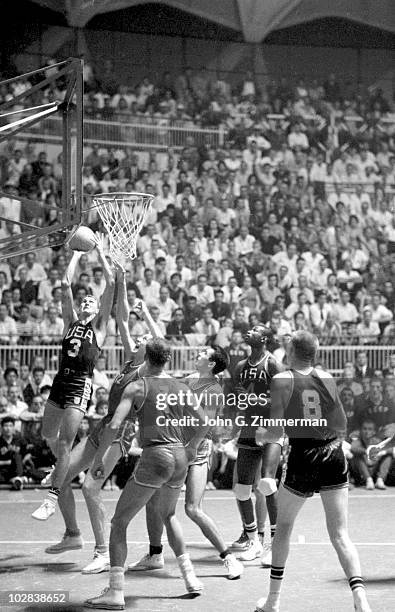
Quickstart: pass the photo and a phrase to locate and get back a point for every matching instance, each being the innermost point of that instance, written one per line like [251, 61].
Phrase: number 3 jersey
[80, 350]
[255, 379]
[320, 408]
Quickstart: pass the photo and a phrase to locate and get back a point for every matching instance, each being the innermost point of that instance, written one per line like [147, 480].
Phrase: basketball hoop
[123, 216]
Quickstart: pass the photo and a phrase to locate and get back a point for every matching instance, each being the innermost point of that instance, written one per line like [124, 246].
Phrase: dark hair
[97, 269]
[9, 370]
[370, 421]
[100, 404]
[158, 352]
[305, 345]
[8, 419]
[45, 388]
[38, 369]
[220, 359]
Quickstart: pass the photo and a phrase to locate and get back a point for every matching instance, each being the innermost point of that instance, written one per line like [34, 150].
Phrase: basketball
[83, 239]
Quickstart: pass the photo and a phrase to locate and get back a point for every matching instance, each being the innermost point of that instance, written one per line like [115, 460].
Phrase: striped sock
[251, 530]
[356, 582]
[272, 531]
[276, 573]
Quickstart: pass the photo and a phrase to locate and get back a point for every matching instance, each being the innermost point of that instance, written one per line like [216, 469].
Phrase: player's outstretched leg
[133, 498]
[154, 559]
[67, 432]
[195, 487]
[247, 463]
[267, 485]
[91, 490]
[80, 459]
[336, 509]
[288, 509]
[168, 503]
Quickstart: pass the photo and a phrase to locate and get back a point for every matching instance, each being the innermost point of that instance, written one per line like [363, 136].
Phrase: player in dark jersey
[83, 455]
[204, 383]
[162, 466]
[83, 336]
[316, 463]
[253, 377]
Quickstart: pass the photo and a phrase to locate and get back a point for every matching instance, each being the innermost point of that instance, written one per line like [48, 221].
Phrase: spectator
[8, 329]
[178, 327]
[149, 288]
[377, 407]
[31, 418]
[166, 305]
[12, 450]
[26, 327]
[33, 388]
[207, 325]
[35, 271]
[100, 378]
[363, 469]
[361, 368]
[51, 327]
[367, 330]
[345, 311]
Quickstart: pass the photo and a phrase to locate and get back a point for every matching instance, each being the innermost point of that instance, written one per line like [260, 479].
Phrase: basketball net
[123, 216]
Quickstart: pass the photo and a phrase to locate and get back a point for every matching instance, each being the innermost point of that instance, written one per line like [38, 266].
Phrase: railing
[138, 133]
[182, 361]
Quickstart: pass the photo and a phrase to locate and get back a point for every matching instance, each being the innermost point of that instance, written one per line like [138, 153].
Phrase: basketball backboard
[50, 94]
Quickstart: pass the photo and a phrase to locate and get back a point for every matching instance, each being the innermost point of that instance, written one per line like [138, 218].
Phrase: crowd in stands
[289, 222]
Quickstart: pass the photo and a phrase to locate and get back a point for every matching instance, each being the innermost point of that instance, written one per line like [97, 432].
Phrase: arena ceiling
[255, 19]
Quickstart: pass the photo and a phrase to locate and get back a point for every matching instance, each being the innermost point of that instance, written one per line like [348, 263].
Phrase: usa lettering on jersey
[253, 373]
[80, 332]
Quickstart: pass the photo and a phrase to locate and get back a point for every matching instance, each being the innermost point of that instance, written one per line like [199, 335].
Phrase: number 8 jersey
[80, 350]
[312, 401]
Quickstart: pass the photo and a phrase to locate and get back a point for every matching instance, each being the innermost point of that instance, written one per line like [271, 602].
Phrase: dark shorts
[125, 435]
[161, 465]
[71, 391]
[314, 469]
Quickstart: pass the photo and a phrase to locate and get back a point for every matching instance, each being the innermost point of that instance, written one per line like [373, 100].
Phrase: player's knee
[242, 491]
[338, 537]
[191, 510]
[119, 523]
[91, 488]
[267, 486]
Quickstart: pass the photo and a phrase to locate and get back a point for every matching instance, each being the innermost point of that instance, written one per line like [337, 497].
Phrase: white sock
[117, 578]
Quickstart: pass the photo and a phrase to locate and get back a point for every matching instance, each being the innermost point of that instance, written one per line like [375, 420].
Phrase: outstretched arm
[152, 326]
[107, 297]
[122, 314]
[68, 313]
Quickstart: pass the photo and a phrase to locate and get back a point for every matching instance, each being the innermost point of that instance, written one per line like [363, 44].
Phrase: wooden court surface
[313, 578]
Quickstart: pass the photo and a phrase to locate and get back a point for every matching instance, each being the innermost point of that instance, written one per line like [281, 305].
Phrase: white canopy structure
[254, 18]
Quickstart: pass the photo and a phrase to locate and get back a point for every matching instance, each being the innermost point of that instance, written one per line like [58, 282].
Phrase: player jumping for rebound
[162, 466]
[204, 383]
[316, 463]
[84, 334]
[253, 377]
[88, 451]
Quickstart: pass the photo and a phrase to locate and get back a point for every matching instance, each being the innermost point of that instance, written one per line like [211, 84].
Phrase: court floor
[313, 579]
